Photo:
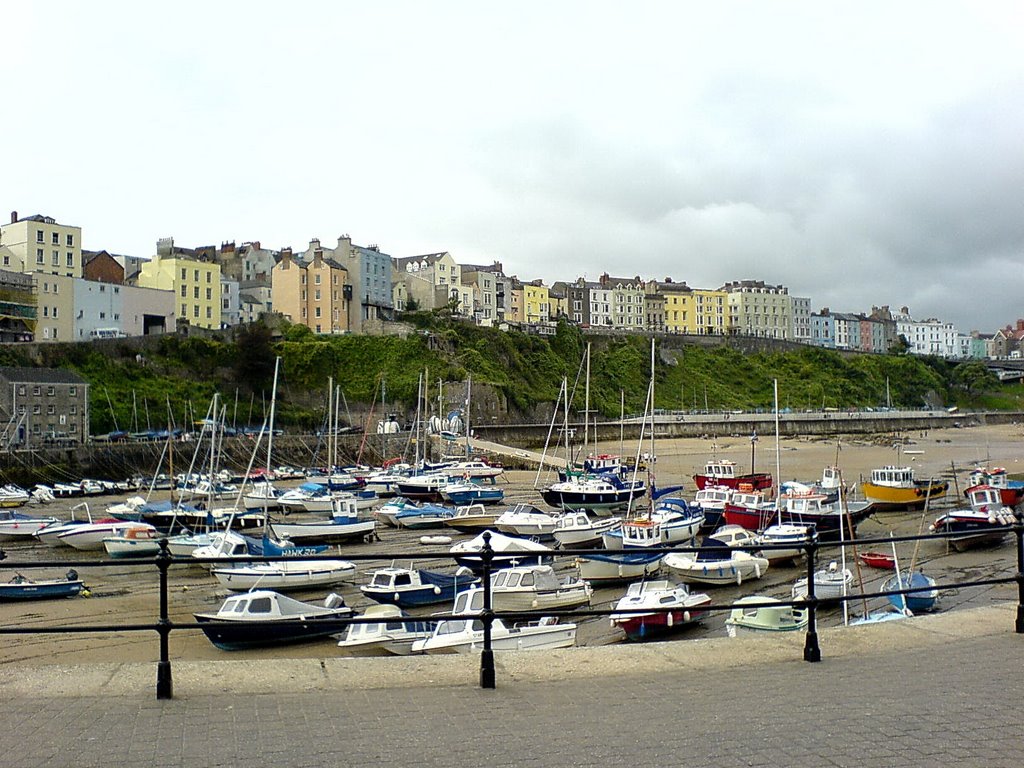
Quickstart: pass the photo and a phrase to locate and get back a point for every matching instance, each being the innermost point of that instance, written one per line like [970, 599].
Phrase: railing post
[487, 677]
[811, 650]
[1018, 531]
[164, 685]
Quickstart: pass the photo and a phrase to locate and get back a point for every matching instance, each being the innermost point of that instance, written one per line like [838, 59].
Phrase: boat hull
[889, 498]
[231, 636]
[40, 590]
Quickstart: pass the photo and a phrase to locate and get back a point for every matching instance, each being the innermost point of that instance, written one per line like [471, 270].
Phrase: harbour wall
[116, 461]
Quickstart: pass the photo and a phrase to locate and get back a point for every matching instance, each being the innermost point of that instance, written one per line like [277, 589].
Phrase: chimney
[668, 279]
[14, 217]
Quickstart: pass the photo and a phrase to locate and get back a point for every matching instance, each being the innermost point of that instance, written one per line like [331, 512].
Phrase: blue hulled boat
[23, 588]
[408, 588]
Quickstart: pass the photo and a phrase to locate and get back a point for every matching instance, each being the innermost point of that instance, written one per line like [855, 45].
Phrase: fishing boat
[394, 634]
[18, 526]
[576, 529]
[285, 574]
[468, 492]
[526, 520]
[536, 587]
[1011, 492]
[264, 617]
[133, 540]
[473, 518]
[508, 551]
[676, 608]
[711, 501]
[830, 583]
[722, 472]
[597, 493]
[920, 601]
[627, 565]
[746, 618]
[831, 521]
[408, 587]
[716, 563]
[467, 635]
[750, 509]
[830, 484]
[986, 523]
[895, 488]
[20, 587]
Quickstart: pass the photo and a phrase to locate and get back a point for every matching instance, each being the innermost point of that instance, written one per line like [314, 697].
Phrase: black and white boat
[264, 617]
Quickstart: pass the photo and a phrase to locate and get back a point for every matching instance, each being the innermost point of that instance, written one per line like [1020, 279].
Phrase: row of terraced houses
[52, 289]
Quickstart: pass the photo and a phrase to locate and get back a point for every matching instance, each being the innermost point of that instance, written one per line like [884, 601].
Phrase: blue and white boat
[393, 634]
[599, 493]
[424, 515]
[343, 525]
[619, 566]
[465, 493]
[409, 587]
[23, 588]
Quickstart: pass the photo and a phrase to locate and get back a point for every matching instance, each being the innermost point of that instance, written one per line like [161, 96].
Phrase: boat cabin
[831, 478]
[984, 496]
[806, 503]
[992, 476]
[893, 477]
[721, 470]
[537, 578]
[264, 604]
[713, 498]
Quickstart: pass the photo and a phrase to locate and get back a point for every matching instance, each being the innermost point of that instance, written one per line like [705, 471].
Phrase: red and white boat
[723, 472]
[878, 560]
[656, 608]
[987, 522]
[1011, 492]
[751, 510]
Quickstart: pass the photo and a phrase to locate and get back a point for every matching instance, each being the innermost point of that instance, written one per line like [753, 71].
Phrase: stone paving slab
[915, 693]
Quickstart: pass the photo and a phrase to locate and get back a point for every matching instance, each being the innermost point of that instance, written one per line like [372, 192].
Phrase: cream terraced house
[192, 275]
[433, 280]
[39, 244]
[757, 309]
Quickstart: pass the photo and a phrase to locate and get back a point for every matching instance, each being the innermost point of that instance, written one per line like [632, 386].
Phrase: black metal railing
[811, 546]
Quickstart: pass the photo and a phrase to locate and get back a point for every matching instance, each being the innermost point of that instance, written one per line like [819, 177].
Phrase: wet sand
[129, 594]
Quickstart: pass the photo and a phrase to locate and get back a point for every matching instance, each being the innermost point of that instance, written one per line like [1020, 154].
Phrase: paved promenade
[943, 690]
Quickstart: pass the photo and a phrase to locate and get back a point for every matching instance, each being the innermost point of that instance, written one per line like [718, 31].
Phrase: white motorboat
[50, 535]
[508, 551]
[536, 587]
[598, 493]
[133, 540]
[716, 563]
[90, 536]
[13, 496]
[526, 520]
[390, 635]
[262, 495]
[16, 525]
[285, 574]
[830, 583]
[344, 525]
[473, 518]
[667, 524]
[467, 635]
[577, 529]
[789, 536]
[747, 618]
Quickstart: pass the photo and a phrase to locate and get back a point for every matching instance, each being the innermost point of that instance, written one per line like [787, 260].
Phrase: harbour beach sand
[129, 594]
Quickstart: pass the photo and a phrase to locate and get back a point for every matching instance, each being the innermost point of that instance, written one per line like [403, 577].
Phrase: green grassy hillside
[177, 376]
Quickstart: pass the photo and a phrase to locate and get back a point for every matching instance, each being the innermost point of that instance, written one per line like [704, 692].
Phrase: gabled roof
[41, 375]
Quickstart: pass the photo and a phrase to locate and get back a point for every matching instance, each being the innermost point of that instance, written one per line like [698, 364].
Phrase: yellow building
[536, 302]
[314, 292]
[39, 244]
[194, 282]
[697, 311]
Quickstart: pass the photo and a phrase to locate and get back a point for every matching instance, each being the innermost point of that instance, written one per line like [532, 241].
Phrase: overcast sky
[860, 154]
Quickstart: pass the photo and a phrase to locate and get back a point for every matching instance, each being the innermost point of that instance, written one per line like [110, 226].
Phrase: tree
[974, 377]
[900, 347]
[255, 358]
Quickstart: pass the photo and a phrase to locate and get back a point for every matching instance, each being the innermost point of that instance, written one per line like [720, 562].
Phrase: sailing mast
[586, 407]
[469, 401]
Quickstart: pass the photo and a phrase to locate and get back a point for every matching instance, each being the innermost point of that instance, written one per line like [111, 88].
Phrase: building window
[184, 292]
[209, 277]
[316, 312]
[21, 389]
[209, 311]
[70, 241]
[71, 259]
[21, 409]
[184, 310]
[55, 314]
[37, 408]
[46, 311]
[39, 235]
[55, 259]
[49, 391]
[55, 238]
[316, 294]
[184, 274]
[73, 391]
[209, 294]
[195, 292]
[316, 279]
[51, 409]
[195, 310]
